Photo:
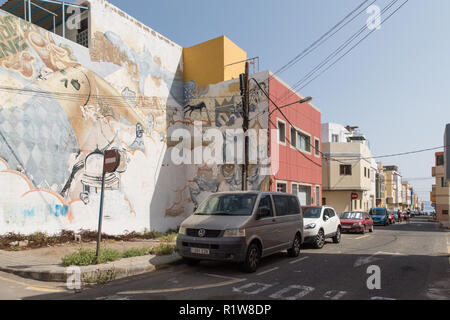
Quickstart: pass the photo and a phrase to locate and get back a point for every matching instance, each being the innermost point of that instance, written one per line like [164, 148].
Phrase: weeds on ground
[86, 257]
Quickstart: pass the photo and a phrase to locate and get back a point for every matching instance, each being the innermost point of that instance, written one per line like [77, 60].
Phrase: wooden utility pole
[245, 123]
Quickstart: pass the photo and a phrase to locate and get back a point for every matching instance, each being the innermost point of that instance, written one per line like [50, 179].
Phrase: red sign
[355, 196]
[111, 161]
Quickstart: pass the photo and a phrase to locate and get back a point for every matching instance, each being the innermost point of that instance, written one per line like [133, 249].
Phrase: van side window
[331, 213]
[281, 205]
[294, 207]
[266, 204]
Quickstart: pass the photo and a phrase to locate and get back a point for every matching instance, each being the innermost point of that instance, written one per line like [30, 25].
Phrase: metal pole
[63, 20]
[245, 126]
[100, 219]
[29, 11]
[24, 10]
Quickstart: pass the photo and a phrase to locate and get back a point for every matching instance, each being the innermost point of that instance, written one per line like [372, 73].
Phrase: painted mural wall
[220, 107]
[62, 105]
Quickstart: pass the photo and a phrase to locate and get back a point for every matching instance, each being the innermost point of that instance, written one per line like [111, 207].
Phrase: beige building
[393, 182]
[347, 169]
[440, 196]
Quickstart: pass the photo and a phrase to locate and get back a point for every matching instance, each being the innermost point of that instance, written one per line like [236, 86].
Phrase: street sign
[355, 196]
[111, 161]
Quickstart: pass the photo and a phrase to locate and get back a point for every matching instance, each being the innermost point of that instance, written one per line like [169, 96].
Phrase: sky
[394, 85]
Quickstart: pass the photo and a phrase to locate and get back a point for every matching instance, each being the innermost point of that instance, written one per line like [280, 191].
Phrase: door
[303, 196]
[265, 227]
[330, 226]
[287, 211]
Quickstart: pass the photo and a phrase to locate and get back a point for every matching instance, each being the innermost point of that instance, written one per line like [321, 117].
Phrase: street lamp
[305, 100]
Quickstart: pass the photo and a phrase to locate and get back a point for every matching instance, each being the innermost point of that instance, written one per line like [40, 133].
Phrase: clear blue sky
[395, 85]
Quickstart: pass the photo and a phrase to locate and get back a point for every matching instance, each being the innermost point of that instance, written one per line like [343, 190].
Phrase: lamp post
[305, 100]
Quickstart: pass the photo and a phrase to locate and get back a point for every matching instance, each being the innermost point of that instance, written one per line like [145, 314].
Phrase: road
[413, 260]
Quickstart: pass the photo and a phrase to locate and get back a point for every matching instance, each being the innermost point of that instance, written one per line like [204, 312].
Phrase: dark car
[380, 216]
[356, 222]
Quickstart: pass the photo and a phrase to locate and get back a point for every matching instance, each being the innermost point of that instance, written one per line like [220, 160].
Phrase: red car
[356, 222]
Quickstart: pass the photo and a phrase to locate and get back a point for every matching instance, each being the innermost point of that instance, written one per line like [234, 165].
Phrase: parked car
[356, 222]
[380, 216]
[320, 224]
[242, 227]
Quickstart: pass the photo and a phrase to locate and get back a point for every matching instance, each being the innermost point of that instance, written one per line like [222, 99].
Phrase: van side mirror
[262, 213]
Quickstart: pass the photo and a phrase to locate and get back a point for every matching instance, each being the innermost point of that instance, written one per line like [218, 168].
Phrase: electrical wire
[316, 44]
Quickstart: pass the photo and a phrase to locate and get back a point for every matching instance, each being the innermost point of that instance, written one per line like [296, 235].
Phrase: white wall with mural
[62, 105]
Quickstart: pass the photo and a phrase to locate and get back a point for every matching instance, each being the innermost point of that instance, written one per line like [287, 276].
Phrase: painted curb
[120, 269]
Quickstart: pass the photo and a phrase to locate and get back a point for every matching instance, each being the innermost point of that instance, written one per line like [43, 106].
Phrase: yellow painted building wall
[206, 62]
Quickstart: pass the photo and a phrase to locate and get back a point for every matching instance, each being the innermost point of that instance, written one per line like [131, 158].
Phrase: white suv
[321, 223]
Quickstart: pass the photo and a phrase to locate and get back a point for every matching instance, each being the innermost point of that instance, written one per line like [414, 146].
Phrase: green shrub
[86, 257]
[162, 250]
[135, 252]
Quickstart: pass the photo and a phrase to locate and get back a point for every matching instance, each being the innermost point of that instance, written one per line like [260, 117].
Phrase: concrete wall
[330, 129]
[126, 92]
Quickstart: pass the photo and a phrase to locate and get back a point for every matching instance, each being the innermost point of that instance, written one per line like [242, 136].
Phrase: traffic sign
[111, 161]
[355, 196]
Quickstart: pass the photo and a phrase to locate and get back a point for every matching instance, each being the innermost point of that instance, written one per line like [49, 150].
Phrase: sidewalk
[29, 265]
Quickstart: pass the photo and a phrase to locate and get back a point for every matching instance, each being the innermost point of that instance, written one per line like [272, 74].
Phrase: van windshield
[378, 212]
[228, 205]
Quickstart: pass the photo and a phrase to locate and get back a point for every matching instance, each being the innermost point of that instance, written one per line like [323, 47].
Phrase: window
[439, 160]
[294, 189]
[281, 132]
[82, 36]
[317, 147]
[281, 205]
[281, 187]
[286, 205]
[304, 142]
[444, 183]
[334, 138]
[266, 203]
[324, 201]
[445, 212]
[317, 196]
[293, 137]
[365, 172]
[345, 170]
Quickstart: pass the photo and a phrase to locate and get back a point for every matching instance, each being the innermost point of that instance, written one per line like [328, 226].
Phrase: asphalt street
[413, 263]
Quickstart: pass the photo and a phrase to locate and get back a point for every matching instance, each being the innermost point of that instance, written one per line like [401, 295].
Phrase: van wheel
[295, 250]
[337, 237]
[320, 240]
[190, 261]
[252, 259]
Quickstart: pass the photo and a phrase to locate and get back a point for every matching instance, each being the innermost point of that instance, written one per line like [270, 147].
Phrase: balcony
[437, 171]
[67, 20]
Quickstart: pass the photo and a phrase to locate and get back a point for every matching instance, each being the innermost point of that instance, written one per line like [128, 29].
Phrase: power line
[340, 49]
[396, 154]
[323, 38]
[351, 49]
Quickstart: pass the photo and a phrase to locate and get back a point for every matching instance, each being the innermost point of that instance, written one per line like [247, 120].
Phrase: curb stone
[114, 270]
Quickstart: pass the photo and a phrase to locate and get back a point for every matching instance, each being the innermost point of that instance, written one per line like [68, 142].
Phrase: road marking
[206, 286]
[390, 253]
[381, 298]
[334, 294]
[34, 288]
[298, 260]
[301, 292]
[267, 271]
[365, 260]
[363, 237]
[260, 287]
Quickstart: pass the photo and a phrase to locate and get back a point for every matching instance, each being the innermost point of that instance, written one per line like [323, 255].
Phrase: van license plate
[200, 251]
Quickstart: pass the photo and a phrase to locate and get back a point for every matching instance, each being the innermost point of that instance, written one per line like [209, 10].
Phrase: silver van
[242, 227]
